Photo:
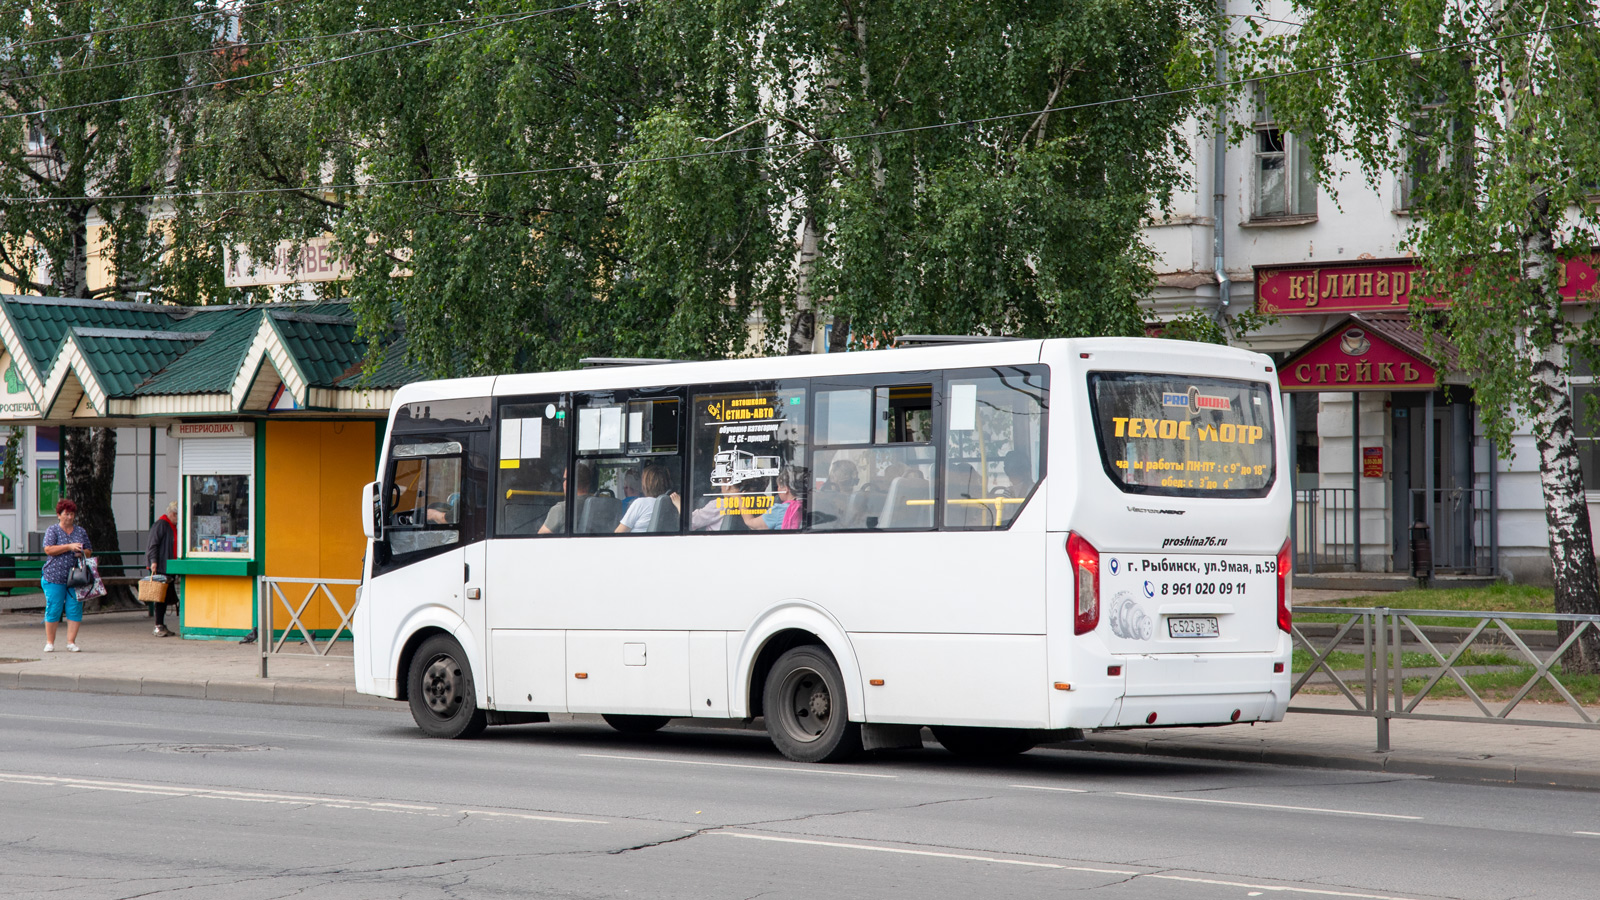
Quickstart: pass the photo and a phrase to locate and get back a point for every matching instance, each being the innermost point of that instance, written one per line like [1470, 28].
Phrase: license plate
[1192, 626]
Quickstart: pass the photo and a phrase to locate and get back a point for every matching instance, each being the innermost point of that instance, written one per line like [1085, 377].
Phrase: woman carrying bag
[163, 546]
[66, 543]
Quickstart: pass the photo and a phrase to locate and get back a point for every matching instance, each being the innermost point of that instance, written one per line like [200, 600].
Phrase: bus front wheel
[635, 724]
[444, 701]
[985, 743]
[804, 706]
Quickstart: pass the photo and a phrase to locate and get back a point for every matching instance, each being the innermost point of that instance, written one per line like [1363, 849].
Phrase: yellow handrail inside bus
[516, 493]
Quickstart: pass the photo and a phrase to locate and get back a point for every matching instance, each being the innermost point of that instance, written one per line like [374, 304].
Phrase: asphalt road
[124, 797]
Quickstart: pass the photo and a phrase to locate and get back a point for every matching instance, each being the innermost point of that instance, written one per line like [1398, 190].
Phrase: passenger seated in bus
[656, 482]
[963, 492]
[1019, 471]
[631, 488]
[718, 514]
[831, 501]
[556, 522]
[787, 513]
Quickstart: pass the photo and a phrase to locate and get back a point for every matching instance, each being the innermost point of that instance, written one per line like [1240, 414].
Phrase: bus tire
[804, 705]
[635, 724]
[444, 700]
[985, 743]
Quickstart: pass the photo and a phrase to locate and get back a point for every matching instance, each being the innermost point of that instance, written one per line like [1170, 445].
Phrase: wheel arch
[425, 624]
[794, 624]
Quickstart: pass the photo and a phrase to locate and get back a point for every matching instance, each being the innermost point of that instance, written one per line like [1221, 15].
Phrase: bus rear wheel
[635, 724]
[985, 743]
[804, 706]
[444, 701]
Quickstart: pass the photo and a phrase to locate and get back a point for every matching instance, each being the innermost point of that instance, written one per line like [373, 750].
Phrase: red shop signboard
[1386, 285]
[1356, 358]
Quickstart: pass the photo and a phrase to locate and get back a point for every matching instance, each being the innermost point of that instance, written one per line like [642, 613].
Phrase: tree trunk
[88, 464]
[803, 327]
[1572, 559]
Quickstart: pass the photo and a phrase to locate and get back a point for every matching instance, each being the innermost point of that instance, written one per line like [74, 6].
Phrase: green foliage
[1202, 325]
[1026, 225]
[56, 155]
[1500, 134]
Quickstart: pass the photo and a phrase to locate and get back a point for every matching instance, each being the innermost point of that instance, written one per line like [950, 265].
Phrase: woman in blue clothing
[63, 543]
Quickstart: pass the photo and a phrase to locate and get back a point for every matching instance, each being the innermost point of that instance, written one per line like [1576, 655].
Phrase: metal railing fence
[1461, 537]
[1324, 529]
[1382, 635]
[270, 595]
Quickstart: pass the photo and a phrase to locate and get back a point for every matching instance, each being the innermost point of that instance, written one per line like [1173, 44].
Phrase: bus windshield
[1184, 436]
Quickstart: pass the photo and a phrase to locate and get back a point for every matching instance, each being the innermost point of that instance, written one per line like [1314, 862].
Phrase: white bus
[1008, 542]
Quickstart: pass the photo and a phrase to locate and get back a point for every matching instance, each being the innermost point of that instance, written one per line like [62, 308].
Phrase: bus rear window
[1186, 437]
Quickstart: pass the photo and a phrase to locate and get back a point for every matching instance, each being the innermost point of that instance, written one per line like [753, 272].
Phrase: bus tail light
[1285, 570]
[1086, 581]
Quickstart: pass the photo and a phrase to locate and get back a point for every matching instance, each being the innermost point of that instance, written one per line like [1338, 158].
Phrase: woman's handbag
[96, 588]
[79, 576]
[153, 589]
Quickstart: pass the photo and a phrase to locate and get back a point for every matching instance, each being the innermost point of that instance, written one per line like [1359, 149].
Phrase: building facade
[1386, 436]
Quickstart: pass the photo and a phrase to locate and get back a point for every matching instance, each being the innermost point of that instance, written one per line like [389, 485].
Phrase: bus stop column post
[1427, 481]
[1355, 474]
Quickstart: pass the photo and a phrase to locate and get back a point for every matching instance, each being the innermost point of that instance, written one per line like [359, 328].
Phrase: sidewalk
[121, 656]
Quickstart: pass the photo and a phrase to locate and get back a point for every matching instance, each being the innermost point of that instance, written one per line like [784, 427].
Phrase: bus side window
[994, 448]
[532, 467]
[424, 504]
[874, 458]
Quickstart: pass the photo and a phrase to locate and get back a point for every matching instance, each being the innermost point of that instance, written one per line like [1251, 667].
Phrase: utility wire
[140, 26]
[300, 67]
[243, 45]
[811, 142]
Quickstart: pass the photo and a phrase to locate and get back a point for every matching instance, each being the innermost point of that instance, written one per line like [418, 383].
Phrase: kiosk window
[219, 514]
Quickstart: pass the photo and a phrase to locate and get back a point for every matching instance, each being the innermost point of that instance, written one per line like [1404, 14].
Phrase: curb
[287, 693]
[1397, 763]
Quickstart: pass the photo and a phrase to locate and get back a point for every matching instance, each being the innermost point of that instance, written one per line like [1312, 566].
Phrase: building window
[1285, 185]
[1586, 420]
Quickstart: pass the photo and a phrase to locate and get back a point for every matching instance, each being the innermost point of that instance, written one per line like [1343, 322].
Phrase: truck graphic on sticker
[735, 466]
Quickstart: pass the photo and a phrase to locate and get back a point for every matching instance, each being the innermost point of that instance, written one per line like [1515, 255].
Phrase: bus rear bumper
[1200, 689]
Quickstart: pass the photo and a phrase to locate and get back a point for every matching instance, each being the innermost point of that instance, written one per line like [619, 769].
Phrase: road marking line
[909, 852]
[1337, 812]
[412, 809]
[1588, 833]
[1283, 889]
[1040, 787]
[697, 762]
[511, 815]
[1321, 892]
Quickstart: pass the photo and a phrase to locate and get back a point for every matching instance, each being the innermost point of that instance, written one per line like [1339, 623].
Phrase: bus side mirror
[371, 512]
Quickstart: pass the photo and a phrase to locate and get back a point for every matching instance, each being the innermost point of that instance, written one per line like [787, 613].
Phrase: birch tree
[74, 131]
[1490, 110]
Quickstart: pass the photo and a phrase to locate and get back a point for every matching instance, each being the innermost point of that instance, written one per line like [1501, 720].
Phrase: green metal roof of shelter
[73, 359]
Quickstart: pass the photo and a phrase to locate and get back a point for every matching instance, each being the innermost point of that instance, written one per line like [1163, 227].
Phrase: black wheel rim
[807, 709]
[442, 683]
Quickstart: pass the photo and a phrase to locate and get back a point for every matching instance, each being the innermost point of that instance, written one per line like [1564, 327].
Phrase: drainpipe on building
[1219, 193]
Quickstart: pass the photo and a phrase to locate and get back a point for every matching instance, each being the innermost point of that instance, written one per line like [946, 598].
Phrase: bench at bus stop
[21, 570]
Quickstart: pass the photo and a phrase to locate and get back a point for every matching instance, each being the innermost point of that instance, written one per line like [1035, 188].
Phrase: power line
[140, 26]
[242, 45]
[810, 142]
[300, 67]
